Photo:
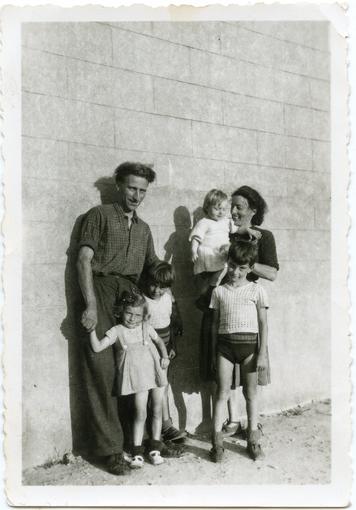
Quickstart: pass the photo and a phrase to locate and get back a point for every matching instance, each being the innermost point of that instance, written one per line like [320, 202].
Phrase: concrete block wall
[213, 104]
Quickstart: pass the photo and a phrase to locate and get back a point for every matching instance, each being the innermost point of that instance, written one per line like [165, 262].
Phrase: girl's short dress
[137, 359]
[213, 236]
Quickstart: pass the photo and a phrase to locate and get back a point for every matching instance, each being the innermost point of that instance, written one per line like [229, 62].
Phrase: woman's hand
[262, 361]
[164, 363]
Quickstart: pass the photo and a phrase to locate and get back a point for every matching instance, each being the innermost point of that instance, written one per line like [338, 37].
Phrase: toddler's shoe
[136, 461]
[254, 443]
[155, 457]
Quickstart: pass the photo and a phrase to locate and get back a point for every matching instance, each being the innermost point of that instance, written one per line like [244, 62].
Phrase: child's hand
[164, 363]
[172, 354]
[256, 234]
[194, 255]
[262, 362]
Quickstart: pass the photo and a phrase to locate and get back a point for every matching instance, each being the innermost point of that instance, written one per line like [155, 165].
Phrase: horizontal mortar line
[210, 52]
[230, 23]
[269, 36]
[154, 153]
[170, 116]
[166, 78]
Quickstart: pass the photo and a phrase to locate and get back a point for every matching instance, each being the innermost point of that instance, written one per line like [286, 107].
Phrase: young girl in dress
[165, 318]
[140, 370]
[210, 239]
[239, 336]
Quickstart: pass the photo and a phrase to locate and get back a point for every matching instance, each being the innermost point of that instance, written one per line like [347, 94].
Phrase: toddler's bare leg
[165, 405]
[157, 395]
[140, 401]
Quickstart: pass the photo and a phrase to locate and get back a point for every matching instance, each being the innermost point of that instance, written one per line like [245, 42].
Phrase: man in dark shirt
[114, 247]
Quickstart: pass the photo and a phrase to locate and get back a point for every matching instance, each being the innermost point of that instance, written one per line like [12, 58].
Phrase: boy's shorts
[237, 347]
[166, 335]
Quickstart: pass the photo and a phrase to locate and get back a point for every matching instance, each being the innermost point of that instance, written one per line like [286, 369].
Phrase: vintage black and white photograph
[175, 270]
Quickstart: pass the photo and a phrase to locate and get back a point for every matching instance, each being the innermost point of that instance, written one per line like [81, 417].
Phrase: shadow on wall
[177, 252]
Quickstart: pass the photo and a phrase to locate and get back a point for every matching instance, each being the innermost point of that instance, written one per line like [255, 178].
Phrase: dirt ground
[296, 443]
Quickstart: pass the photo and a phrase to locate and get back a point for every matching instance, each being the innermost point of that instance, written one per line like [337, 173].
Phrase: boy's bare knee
[223, 394]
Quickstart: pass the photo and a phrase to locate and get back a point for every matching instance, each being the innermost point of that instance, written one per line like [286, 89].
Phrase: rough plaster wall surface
[211, 104]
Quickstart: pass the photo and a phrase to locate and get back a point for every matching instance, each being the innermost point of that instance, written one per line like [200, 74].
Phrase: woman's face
[241, 211]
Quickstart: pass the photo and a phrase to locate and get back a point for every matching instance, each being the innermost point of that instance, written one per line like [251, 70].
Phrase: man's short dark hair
[243, 252]
[131, 168]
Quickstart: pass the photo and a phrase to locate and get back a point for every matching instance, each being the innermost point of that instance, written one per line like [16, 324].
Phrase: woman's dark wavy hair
[132, 168]
[255, 201]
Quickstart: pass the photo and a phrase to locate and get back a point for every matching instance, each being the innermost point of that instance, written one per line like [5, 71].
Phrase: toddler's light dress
[212, 236]
[138, 361]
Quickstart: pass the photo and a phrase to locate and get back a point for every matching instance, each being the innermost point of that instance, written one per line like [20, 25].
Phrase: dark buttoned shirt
[118, 248]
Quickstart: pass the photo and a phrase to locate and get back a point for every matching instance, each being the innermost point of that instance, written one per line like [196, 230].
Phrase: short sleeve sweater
[238, 307]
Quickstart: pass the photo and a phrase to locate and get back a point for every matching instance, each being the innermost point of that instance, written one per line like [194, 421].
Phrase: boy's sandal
[231, 427]
[172, 450]
[155, 457]
[136, 462]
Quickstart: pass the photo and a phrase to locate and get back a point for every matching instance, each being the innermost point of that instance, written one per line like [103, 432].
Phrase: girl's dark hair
[213, 197]
[243, 252]
[130, 298]
[131, 168]
[162, 274]
[255, 201]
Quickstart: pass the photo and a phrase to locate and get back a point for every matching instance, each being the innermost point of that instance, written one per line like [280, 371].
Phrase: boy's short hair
[243, 252]
[162, 274]
[131, 168]
[213, 197]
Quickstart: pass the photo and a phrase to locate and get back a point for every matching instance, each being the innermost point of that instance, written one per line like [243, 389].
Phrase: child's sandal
[231, 428]
[136, 462]
[155, 457]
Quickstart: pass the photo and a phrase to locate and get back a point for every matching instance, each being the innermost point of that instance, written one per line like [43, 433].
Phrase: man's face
[132, 191]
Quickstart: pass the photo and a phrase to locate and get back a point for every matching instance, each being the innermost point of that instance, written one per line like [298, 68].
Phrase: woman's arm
[99, 345]
[263, 335]
[264, 271]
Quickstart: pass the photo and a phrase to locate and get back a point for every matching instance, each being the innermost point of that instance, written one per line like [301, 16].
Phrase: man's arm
[85, 275]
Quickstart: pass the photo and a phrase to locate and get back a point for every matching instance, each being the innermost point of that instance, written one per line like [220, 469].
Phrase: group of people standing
[133, 320]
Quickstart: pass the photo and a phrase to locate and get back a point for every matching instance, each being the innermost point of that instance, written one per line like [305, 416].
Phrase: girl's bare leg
[249, 389]
[157, 395]
[140, 403]
[224, 376]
